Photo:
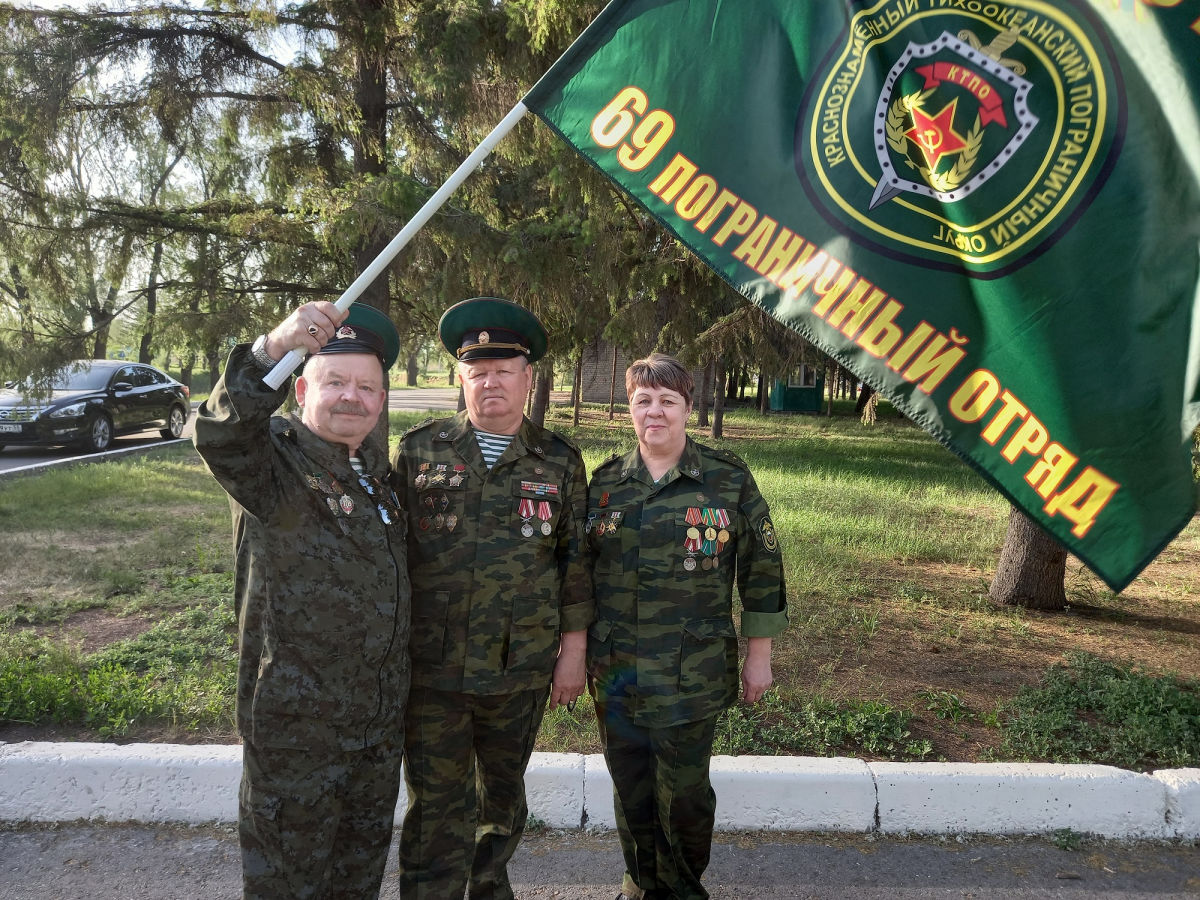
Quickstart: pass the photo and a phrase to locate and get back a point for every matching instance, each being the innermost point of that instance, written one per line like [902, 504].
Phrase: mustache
[350, 409]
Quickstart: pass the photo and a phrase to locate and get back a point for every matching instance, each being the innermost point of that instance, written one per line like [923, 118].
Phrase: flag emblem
[983, 139]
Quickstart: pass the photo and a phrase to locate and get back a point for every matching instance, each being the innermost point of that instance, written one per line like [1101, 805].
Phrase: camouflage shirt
[322, 590]
[495, 556]
[664, 561]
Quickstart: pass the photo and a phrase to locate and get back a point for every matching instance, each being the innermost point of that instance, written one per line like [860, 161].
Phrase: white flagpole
[288, 364]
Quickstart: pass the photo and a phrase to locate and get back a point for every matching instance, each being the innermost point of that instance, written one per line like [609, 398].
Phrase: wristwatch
[259, 350]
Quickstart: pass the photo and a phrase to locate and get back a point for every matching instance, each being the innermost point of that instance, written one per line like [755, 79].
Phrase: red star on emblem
[936, 135]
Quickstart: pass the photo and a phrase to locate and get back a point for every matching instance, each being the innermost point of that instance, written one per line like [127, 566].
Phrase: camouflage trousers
[464, 765]
[317, 823]
[664, 802]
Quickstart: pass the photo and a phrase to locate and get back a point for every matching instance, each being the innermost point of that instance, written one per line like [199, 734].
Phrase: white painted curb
[50, 782]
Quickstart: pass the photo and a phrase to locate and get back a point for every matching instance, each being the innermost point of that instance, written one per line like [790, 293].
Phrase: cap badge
[484, 337]
[346, 333]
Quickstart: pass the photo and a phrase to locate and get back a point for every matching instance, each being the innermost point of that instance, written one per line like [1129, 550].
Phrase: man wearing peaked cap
[501, 604]
[322, 596]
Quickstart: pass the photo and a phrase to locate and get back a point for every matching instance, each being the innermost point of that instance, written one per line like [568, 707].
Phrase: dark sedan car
[91, 401]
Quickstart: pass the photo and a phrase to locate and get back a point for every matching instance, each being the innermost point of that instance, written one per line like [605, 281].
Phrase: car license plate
[7, 428]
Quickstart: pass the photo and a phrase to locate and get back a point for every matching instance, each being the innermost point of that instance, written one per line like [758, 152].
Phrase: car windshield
[80, 378]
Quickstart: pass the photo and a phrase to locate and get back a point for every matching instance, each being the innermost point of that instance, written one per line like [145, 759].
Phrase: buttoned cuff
[763, 624]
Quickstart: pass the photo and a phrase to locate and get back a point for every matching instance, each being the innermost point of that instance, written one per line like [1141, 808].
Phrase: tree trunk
[145, 349]
[577, 388]
[213, 358]
[718, 422]
[541, 397]
[413, 368]
[861, 403]
[702, 400]
[830, 376]
[612, 387]
[764, 393]
[1031, 567]
[185, 368]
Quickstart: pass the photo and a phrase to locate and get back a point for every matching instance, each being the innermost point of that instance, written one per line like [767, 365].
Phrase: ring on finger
[312, 329]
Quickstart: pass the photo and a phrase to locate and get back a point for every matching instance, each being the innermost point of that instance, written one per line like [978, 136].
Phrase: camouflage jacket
[322, 589]
[495, 556]
[664, 561]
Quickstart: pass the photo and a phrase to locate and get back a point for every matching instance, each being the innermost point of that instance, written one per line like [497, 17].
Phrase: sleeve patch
[766, 531]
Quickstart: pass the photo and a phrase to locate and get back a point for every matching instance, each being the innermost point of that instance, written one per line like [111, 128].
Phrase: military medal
[451, 521]
[525, 510]
[313, 482]
[424, 523]
[419, 481]
[332, 504]
[346, 503]
[457, 478]
[438, 477]
[691, 542]
[438, 521]
[614, 519]
[545, 515]
[604, 499]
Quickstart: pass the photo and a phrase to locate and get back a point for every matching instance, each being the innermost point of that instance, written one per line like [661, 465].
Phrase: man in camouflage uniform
[322, 597]
[501, 604]
[668, 537]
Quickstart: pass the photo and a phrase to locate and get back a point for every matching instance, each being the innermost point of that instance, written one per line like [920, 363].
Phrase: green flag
[986, 210]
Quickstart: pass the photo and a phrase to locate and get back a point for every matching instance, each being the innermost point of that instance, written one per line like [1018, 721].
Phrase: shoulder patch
[766, 532]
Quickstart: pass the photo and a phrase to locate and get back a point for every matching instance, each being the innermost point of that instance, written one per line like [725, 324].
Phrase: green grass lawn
[116, 615]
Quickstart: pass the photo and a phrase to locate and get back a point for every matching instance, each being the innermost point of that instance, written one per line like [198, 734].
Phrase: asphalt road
[97, 862]
[12, 458]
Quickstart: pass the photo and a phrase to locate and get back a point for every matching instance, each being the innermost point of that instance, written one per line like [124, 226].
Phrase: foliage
[1089, 710]
[818, 727]
[42, 682]
[179, 176]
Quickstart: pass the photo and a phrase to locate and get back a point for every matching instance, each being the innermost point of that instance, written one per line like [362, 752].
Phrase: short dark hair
[660, 371]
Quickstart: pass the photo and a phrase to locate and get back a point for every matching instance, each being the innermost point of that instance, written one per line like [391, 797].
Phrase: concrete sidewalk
[197, 784]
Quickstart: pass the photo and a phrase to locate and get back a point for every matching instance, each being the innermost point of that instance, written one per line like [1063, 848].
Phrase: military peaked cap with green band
[365, 330]
[491, 328]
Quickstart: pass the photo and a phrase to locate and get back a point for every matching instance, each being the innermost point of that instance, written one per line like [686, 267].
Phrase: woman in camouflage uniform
[671, 525]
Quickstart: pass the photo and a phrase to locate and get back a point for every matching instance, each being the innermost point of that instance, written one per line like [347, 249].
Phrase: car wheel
[175, 419]
[99, 434]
